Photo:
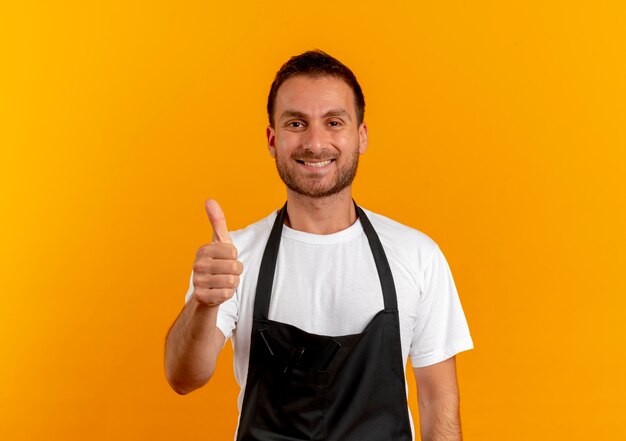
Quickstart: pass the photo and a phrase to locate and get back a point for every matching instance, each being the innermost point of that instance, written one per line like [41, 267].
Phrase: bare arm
[194, 341]
[192, 346]
[438, 399]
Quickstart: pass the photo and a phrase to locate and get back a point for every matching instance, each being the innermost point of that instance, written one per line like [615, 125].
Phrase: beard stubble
[343, 179]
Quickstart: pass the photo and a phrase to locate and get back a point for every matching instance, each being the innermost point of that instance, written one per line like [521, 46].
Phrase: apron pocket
[292, 403]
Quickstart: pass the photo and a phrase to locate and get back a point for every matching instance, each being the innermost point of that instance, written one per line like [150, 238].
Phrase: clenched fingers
[218, 266]
[214, 296]
[210, 281]
[217, 250]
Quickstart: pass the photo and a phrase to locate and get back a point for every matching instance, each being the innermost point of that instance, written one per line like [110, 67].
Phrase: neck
[320, 215]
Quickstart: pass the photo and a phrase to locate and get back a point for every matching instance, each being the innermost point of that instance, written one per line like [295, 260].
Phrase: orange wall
[496, 128]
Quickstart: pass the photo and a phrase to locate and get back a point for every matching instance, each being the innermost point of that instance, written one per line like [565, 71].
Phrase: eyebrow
[333, 112]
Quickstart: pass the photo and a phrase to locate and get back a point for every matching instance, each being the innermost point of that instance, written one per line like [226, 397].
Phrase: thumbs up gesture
[216, 269]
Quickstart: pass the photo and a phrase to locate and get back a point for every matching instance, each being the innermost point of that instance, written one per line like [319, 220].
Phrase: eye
[295, 124]
[334, 123]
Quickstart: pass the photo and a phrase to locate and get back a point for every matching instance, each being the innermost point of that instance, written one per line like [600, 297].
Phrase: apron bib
[303, 386]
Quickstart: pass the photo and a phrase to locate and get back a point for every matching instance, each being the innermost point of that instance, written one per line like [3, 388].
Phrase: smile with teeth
[316, 164]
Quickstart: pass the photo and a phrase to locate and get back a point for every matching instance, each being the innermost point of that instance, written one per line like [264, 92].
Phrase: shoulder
[253, 236]
[398, 233]
[407, 244]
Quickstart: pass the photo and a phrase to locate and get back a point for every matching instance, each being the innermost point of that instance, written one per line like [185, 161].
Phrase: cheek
[347, 141]
[286, 142]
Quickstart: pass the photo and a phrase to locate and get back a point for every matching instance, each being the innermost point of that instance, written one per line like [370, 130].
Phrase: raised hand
[216, 269]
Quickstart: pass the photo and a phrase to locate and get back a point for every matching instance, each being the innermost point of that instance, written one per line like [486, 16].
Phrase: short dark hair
[316, 63]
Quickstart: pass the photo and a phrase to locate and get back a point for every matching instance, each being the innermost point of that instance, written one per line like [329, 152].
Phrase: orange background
[497, 128]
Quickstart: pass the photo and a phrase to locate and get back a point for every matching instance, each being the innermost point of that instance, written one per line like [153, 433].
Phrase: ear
[271, 140]
[362, 138]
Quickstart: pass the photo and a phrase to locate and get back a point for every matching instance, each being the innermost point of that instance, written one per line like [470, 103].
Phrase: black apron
[303, 386]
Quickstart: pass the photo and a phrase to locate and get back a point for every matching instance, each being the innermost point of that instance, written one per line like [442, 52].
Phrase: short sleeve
[441, 330]
[227, 314]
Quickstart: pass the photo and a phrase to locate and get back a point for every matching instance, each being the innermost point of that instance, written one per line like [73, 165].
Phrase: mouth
[316, 164]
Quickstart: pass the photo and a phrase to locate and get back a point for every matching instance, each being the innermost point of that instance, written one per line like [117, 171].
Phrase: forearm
[191, 347]
[439, 418]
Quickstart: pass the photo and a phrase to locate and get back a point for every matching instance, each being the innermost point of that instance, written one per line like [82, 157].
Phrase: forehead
[312, 95]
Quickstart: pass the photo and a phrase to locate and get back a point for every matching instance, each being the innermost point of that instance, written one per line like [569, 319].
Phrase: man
[324, 300]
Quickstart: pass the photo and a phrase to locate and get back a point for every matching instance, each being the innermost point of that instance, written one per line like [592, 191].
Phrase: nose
[315, 138]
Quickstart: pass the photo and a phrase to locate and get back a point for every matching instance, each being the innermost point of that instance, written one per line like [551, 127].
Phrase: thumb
[218, 221]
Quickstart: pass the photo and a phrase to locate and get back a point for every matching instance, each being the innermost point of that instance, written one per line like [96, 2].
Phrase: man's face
[316, 139]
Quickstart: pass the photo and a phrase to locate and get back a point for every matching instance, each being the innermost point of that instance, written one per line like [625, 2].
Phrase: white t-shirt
[328, 285]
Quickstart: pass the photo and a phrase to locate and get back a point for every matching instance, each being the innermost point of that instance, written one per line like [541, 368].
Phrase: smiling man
[316, 152]
[324, 301]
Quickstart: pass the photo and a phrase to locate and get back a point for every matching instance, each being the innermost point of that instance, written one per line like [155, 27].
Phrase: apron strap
[268, 265]
[382, 264]
[270, 255]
